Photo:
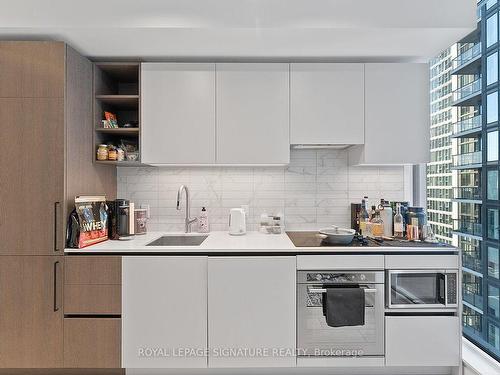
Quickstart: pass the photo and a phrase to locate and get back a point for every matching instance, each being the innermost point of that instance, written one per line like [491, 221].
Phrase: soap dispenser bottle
[203, 221]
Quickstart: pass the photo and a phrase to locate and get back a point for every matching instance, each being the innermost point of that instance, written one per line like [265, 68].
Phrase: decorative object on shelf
[111, 119]
[130, 125]
[112, 154]
[102, 152]
[120, 154]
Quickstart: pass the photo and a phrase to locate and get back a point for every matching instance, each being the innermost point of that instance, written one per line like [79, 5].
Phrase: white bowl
[338, 236]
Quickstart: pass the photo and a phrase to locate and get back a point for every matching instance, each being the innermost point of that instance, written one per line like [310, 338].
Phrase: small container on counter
[203, 226]
[141, 220]
[271, 224]
[102, 152]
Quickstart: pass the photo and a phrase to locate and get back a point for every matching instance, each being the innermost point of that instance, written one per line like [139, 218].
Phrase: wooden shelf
[121, 101]
[125, 163]
[119, 131]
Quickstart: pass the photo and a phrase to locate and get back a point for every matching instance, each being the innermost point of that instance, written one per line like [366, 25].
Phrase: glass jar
[112, 154]
[102, 152]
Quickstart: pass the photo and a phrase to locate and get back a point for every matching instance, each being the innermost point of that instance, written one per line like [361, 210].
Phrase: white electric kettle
[237, 222]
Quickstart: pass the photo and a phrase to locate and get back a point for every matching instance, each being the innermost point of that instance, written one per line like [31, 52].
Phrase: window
[493, 305]
[492, 68]
[493, 223]
[493, 262]
[492, 184]
[492, 107]
[490, 3]
[492, 150]
[492, 30]
[494, 336]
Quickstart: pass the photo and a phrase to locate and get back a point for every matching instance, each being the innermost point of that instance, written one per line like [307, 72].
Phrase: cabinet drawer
[92, 299]
[93, 270]
[422, 340]
[408, 262]
[92, 343]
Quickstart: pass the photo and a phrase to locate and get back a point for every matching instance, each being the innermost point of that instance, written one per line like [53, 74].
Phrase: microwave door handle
[323, 290]
[445, 297]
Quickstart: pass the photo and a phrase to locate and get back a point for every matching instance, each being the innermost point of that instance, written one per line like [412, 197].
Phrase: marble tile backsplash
[313, 191]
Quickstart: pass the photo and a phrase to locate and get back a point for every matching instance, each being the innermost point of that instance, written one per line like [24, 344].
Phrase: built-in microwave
[421, 289]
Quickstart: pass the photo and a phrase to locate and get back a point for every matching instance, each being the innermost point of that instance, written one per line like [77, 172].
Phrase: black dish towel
[344, 307]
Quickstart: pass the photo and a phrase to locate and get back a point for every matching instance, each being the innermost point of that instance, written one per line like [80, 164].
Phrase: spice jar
[102, 152]
[112, 154]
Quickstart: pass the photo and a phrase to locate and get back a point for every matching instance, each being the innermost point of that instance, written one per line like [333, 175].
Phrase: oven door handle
[323, 290]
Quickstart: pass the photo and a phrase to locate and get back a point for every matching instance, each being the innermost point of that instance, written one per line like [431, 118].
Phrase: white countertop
[223, 242]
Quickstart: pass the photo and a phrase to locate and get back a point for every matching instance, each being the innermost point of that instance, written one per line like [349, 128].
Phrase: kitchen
[229, 209]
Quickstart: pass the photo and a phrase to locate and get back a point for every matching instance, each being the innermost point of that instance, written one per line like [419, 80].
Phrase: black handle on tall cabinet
[57, 206]
[56, 304]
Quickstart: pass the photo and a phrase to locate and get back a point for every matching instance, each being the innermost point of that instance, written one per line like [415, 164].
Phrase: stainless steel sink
[187, 240]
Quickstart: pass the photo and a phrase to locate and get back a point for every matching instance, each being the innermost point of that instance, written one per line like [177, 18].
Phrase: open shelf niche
[117, 90]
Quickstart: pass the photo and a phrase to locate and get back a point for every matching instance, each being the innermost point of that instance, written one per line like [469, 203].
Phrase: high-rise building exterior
[473, 174]
[439, 173]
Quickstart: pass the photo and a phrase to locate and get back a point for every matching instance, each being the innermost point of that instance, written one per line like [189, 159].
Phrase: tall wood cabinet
[31, 320]
[45, 124]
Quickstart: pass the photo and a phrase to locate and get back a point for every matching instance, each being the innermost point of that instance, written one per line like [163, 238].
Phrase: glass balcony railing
[470, 90]
[471, 262]
[469, 159]
[466, 56]
[467, 192]
[470, 124]
[468, 227]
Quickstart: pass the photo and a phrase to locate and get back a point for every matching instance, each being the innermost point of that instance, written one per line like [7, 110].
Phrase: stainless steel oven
[422, 289]
[316, 338]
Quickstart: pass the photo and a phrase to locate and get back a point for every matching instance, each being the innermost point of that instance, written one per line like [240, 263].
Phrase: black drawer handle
[56, 225]
[56, 304]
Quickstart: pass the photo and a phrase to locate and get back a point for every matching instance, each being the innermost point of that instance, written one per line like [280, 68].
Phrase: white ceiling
[301, 29]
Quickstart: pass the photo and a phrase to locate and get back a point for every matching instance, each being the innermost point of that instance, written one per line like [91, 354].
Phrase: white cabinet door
[397, 115]
[164, 310]
[252, 114]
[327, 103]
[422, 341]
[178, 113]
[251, 306]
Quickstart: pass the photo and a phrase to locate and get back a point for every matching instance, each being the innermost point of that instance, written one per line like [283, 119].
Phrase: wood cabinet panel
[92, 343]
[93, 270]
[32, 170]
[32, 69]
[83, 176]
[31, 322]
[92, 299]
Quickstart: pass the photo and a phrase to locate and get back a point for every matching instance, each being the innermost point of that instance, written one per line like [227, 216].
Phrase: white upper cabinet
[327, 103]
[397, 115]
[178, 113]
[253, 113]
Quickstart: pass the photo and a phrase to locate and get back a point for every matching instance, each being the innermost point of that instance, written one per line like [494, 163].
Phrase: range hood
[319, 146]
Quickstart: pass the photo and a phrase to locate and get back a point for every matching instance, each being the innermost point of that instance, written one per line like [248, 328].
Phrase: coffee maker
[119, 223]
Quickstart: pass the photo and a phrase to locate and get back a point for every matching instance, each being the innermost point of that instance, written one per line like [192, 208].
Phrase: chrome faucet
[187, 221]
